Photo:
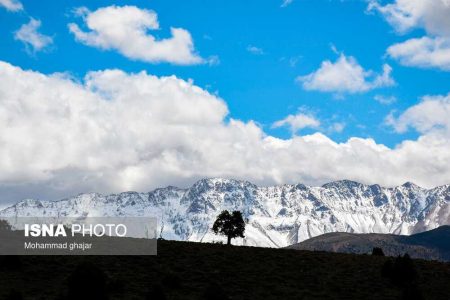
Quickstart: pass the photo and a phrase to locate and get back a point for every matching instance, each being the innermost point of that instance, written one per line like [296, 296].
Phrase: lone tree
[231, 225]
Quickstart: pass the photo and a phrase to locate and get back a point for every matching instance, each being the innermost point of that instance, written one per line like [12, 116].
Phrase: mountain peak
[218, 182]
[342, 183]
[29, 202]
[411, 185]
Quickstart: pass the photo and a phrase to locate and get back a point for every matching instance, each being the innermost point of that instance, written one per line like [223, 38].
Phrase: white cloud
[430, 115]
[385, 100]
[404, 15]
[293, 61]
[115, 131]
[11, 5]
[298, 122]
[31, 37]
[431, 51]
[255, 50]
[286, 3]
[307, 119]
[345, 76]
[126, 30]
[337, 127]
[423, 52]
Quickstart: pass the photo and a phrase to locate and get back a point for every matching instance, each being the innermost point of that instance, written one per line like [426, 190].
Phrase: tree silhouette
[401, 271]
[377, 251]
[230, 225]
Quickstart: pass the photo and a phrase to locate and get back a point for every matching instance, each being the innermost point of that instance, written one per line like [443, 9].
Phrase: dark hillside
[183, 270]
[431, 245]
[438, 238]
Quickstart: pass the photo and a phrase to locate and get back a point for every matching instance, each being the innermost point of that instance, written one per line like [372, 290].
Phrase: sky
[101, 96]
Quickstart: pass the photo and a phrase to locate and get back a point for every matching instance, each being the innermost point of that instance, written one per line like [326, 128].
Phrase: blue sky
[257, 56]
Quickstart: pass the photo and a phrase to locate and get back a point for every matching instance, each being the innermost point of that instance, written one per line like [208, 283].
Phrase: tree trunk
[229, 240]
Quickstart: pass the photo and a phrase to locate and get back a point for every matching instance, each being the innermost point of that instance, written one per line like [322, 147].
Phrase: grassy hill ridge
[184, 270]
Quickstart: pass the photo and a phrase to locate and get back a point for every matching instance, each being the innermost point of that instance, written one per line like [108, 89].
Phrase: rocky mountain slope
[433, 244]
[277, 216]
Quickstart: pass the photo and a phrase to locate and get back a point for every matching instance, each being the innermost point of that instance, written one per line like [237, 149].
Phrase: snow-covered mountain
[276, 216]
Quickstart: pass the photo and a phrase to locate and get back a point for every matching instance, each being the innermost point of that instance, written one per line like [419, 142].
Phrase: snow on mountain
[276, 216]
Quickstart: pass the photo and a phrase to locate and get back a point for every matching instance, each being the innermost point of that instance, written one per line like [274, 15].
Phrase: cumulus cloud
[385, 100]
[126, 30]
[115, 131]
[423, 52]
[431, 51]
[306, 118]
[11, 5]
[430, 115]
[255, 50]
[345, 75]
[404, 15]
[298, 122]
[33, 40]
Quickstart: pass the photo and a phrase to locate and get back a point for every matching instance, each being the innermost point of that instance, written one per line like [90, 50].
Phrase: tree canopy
[231, 225]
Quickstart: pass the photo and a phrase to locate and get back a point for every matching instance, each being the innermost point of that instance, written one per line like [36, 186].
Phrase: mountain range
[276, 216]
